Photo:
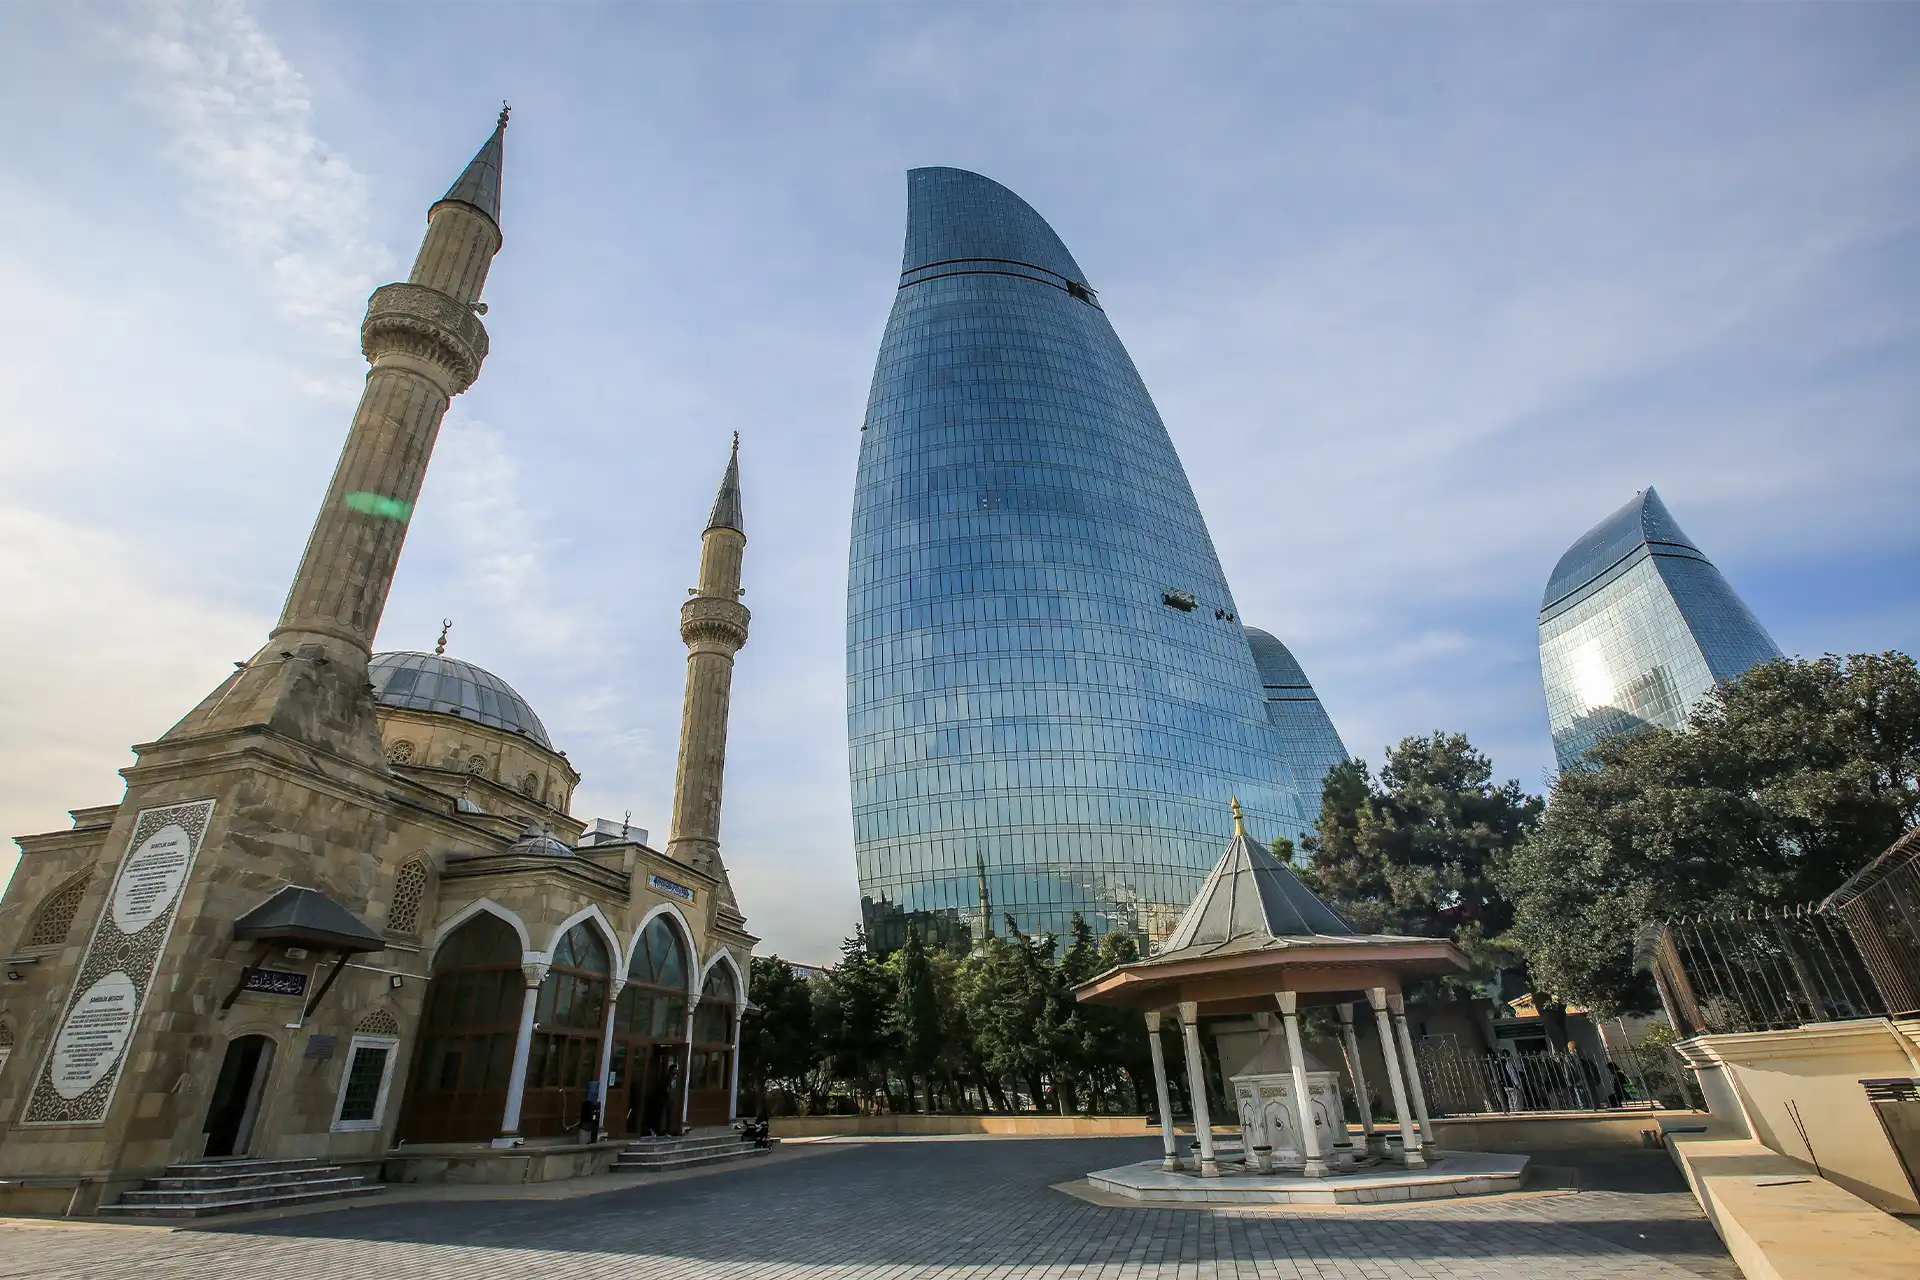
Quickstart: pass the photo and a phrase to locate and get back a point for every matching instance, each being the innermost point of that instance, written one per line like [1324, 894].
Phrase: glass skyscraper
[1309, 744]
[1050, 698]
[1635, 627]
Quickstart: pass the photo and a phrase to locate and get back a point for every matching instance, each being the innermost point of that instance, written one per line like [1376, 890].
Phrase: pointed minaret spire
[713, 623]
[479, 186]
[425, 343]
[726, 506]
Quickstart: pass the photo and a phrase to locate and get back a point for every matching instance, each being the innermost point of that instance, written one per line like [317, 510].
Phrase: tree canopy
[1781, 785]
[1415, 850]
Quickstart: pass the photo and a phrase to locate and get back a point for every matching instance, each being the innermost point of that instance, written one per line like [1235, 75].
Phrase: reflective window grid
[1050, 696]
[1636, 627]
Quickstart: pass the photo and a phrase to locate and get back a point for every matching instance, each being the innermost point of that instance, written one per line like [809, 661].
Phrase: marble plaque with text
[83, 1064]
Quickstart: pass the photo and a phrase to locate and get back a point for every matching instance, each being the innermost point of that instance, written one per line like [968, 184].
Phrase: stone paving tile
[887, 1212]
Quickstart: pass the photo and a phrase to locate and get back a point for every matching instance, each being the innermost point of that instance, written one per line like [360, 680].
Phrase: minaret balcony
[713, 620]
[412, 319]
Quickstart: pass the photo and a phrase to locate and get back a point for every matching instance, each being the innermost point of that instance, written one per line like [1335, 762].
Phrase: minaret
[425, 342]
[714, 625]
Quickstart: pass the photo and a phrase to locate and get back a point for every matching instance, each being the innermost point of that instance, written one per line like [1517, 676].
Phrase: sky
[1422, 293]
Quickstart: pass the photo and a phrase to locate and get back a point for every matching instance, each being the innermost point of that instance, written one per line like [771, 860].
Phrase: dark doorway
[236, 1097]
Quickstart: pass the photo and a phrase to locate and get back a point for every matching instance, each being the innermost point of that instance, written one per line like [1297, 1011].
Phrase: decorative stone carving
[378, 1023]
[706, 619]
[55, 920]
[411, 319]
[1270, 1113]
[409, 887]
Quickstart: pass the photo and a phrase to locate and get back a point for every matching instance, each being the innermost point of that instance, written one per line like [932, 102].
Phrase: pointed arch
[53, 920]
[608, 934]
[695, 970]
[468, 912]
[409, 894]
[722, 956]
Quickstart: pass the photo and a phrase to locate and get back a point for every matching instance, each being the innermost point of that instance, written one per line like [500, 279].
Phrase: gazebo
[1256, 940]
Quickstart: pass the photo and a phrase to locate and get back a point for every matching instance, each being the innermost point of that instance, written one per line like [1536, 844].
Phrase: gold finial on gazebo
[1239, 827]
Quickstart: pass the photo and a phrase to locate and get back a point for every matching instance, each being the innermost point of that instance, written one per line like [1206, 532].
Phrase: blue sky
[1422, 294]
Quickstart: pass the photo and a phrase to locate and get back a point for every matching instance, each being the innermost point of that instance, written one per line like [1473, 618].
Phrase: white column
[1316, 1164]
[1409, 1141]
[733, 1086]
[1160, 1093]
[614, 988]
[1197, 1086]
[1397, 1004]
[534, 972]
[686, 1075]
[1376, 1142]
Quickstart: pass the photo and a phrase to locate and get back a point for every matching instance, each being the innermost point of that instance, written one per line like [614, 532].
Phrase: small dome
[432, 682]
[541, 843]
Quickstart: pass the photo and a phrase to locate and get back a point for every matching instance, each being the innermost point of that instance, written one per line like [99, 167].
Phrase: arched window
[409, 887]
[457, 1090]
[55, 918]
[712, 1075]
[567, 1027]
[650, 1035]
[6, 1043]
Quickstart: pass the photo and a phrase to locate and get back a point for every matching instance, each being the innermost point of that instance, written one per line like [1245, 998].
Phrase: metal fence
[1478, 1084]
[1856, 955]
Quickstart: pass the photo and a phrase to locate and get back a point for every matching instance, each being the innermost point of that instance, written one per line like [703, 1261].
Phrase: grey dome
[539, 842]
[432, 682]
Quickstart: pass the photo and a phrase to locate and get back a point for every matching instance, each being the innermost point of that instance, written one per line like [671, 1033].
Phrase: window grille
[409, 888]
[55, 920]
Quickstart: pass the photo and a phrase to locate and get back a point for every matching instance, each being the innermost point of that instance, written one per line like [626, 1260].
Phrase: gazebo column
[533, 973]
[1397, 1004]
[1409, 1141]
[1316, 1165]
[1161, 1094]
[1376, 1141]
[614, 988]
[1197, 1086]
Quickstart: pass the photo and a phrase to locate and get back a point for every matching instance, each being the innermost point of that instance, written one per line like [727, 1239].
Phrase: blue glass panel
[1050, 695]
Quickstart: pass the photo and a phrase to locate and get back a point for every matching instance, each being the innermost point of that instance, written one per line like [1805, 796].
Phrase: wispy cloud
[241, 117]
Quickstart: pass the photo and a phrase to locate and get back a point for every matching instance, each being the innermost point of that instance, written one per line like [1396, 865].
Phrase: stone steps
[661, 1154]
[203, 1189]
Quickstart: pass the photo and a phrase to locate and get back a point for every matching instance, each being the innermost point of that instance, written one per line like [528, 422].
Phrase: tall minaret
[425, 342]
[714, 625]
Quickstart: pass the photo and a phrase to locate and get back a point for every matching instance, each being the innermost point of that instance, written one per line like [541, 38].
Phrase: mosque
[343, 918]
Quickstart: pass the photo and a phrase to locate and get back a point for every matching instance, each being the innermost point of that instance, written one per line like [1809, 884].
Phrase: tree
[777, 1044]
[850, 1014]
[914, 1018]
[1780, 785]
[1417, 851]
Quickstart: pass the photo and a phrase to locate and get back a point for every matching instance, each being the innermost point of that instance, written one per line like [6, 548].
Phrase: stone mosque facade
[344, 911]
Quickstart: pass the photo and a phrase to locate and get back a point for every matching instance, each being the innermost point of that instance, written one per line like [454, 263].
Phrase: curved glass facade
[1309, 744]
[1636, 625]
[1050, 698]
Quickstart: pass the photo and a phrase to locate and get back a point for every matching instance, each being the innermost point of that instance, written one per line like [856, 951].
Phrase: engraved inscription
[89, 1045]
[151, 877]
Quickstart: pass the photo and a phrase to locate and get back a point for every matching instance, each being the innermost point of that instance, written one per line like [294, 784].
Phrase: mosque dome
[540, 842]
[434, 682]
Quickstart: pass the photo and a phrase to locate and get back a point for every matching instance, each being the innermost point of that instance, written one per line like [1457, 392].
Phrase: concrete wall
[1798, 1093]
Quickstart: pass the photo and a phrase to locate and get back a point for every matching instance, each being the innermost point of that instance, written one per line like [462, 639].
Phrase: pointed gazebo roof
[1254, 930]
[1250, 899]
[479, 185]
[726, 505]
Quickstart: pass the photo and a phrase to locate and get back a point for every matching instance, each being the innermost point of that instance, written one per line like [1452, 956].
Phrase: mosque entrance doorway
[457, 1090]
[564, 1060]
[236, 1097]
[650, 1037]
[713, 1034]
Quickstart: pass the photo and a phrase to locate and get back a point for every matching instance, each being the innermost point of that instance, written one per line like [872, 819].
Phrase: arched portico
[464, 1053]
[647, 1066]
[716, 1032]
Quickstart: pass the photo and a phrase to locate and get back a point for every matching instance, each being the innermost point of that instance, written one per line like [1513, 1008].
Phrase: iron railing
[1459, 1084]
[1855, 955]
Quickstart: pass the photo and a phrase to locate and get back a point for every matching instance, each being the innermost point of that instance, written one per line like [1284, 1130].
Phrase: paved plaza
[911, 1208]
